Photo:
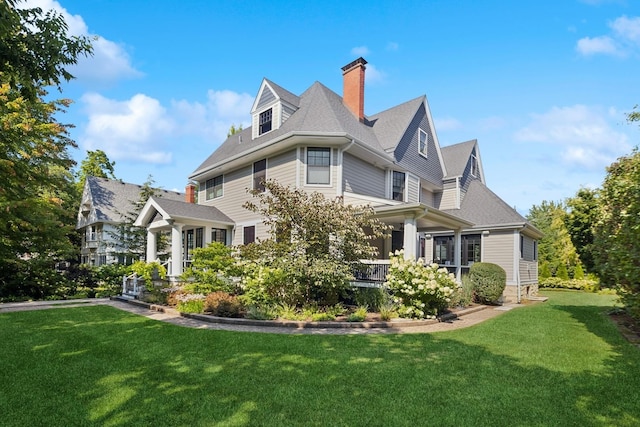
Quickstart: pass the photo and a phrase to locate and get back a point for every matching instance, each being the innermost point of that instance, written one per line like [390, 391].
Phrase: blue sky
[542, 85]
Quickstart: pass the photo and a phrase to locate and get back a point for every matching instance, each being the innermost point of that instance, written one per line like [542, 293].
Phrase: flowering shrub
[420, 291]
[222, 304]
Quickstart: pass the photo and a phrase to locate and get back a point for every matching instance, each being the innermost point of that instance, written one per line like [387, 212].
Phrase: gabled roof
[180, 211]
[457, 156]
[485, 209]
[321, 111]
[390, 125]
[284, 94]
[109, 199]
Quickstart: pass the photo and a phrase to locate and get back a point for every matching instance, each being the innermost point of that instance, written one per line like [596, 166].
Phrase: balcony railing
[372, 271]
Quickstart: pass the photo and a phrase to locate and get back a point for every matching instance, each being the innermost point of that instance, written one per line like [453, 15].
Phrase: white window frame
[260, 114]
[306, 162]
[206, 188]
[423, 149]
[474, 165]
[404, 188]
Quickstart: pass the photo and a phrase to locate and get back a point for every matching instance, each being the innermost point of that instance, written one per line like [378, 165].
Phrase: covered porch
[187, 225]
[414, 226]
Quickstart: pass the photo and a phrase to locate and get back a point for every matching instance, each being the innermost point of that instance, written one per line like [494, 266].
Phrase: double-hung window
[214, 187]
[471, 248]
[265, 120]
[423, 142]
[259, 174]
[318, 165]
[398, 186]
[443, 250]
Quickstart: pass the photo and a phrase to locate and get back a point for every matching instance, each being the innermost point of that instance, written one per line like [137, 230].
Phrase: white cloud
[213, 119]
[140, 129]
[625, 38]
[109, 62]
[583, 133]
[627, 28]
[360, 51]
[133, 130]
[374, 75]
[591, 46]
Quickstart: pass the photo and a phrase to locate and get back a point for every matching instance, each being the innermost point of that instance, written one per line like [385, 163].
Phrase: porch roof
[427, 217]
[179, 211]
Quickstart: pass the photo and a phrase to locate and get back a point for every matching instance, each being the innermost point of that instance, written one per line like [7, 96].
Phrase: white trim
[306, 166]
[426, 143]
[298, 165]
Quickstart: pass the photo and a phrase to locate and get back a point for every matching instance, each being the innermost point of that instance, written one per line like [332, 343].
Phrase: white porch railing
[132, 286]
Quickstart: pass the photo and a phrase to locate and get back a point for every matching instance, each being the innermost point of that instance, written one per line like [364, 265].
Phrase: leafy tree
[95, 164]
[581, 217]
[233, 130]
[36, 189]
[315, 242]
[555, 248]
[617, 233]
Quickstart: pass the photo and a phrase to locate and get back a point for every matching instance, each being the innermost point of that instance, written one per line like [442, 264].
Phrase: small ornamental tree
[211, 267]
[421, 291]
[315, 243]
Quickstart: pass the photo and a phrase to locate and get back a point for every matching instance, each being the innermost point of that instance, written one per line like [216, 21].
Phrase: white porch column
[176, 250]
[151, 246]
[457, 253]
[410, 238]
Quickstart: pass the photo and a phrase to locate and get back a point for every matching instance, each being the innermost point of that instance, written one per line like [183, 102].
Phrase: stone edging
[398, 323]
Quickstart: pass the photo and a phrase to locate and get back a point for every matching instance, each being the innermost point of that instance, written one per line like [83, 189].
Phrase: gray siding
[427, 197]
[282, 168]
[449, 196]
[528, 272]
[328, 191]
[361, 177]
[407, 150]
[235, 186]
[498, 248]
[286, 112]
[413, 189]
[267, 98]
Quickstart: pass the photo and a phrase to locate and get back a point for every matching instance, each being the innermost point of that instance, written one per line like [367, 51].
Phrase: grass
[557, 363]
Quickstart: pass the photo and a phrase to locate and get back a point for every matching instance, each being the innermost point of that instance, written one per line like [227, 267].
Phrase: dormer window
[265, 121]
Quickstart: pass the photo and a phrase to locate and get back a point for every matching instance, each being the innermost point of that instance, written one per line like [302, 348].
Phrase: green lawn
[557, 363]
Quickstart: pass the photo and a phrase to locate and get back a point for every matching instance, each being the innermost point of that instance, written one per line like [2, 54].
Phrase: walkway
[465, 318]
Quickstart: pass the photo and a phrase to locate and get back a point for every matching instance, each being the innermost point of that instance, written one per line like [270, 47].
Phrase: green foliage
[373, 298]
[555, 247]
[421, 291]
[211, 268]
[544, 270]
[562, 272]
[590, 284]
[583, 212]
[315, 245]
[233, 129]
[387, 311]
[358, 315]
[578, 273]
[223, 304]
[95, 164]
[149, 271]
[322, 317]
[195, 306]
[489, 281]
[463, 296]
[617, 233]
[261, 313]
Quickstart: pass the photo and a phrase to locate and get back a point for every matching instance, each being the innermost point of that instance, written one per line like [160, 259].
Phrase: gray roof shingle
[113, 198]
[182, 209]
[457, 156]
[483, 207]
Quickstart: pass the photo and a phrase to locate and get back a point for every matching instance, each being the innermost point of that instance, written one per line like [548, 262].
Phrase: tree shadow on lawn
[101, 366]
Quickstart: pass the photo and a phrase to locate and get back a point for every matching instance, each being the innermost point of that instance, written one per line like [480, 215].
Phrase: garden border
[397, 323]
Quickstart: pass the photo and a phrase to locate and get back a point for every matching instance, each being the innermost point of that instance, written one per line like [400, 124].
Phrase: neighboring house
[104, 202]
[434, 197]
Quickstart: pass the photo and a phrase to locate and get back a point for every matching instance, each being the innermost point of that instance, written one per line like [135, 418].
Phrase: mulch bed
[628, 327]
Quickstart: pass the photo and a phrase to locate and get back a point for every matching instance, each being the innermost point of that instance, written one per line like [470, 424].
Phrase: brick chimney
[190, 191]
[353, 87]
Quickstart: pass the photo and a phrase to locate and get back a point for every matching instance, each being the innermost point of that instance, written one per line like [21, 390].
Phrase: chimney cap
[358, 61]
